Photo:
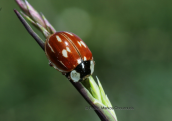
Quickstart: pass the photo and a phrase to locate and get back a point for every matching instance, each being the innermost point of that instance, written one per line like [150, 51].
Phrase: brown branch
[81, 89]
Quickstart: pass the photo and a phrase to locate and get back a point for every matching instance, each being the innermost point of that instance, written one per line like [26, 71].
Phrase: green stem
[104, 115]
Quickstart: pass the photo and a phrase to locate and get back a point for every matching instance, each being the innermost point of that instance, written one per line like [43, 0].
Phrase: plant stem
[30, 30]
[88, 97]
[104, 114]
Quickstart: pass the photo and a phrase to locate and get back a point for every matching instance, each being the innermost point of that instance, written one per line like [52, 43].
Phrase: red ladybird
[70, 55]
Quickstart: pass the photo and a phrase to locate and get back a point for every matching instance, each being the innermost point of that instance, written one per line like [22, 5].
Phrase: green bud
[34, 14]
[94, 89]
[49, 27]
[44, 31]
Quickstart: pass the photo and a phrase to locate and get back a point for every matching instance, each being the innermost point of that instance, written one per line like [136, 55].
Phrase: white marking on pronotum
[64, 53]
[69, 33]
[68, 49]
[83, 43]
[51, 48]
[79, 61]
[75, 76]
[79, 43]
[85, 58]
[92, 66]
[58, 38]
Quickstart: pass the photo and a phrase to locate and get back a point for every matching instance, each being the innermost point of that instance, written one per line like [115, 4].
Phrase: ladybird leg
[29, 29]
[64, 73]
[50, 64]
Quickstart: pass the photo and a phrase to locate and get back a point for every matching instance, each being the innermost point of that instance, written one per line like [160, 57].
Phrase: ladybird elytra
[70, 55]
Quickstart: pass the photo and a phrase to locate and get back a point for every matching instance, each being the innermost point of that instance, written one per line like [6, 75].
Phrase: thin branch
[30, 30]
[103, 115]
[83, 91]
[85, 94]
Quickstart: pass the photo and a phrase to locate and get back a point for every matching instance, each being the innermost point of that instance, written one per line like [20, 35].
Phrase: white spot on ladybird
[64, 53]
[62, 63]
[75, 76]
[66, 43]
[69, 33]
[83, 43]
[79, 43]
[58, 38]
[79, 61]
[85, 58]
[51, 48]
[68, 49]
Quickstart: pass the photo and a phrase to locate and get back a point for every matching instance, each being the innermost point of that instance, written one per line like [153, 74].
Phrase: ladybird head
[82, 71]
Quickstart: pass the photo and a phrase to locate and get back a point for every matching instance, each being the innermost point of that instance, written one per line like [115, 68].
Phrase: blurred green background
[131, 41]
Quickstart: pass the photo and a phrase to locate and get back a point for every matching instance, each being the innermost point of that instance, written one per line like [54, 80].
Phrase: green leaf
[95, 89]
[103, 96]
[44, 31]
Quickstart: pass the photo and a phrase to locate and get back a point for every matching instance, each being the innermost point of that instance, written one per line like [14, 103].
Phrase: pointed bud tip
[16, 12]
[26, 1]
[18, 1]
[28, 5]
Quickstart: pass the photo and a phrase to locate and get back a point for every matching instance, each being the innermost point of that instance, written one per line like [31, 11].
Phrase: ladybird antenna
[30, 30]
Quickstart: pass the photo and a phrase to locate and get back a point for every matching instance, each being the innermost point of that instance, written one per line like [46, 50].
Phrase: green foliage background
[131, 41]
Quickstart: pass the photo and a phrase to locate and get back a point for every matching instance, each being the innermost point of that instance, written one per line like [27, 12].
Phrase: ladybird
[69, 54]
